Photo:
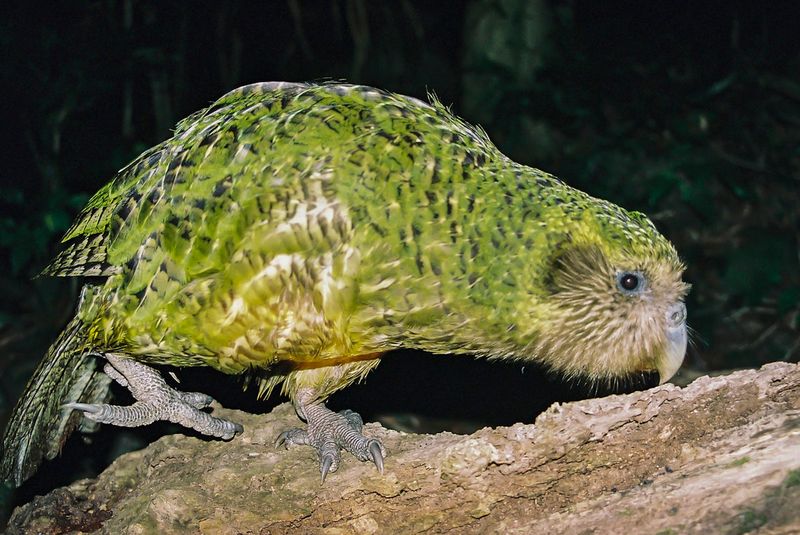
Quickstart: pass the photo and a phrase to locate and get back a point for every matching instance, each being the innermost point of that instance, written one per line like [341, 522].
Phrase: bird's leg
[329, 432]
[155, 400]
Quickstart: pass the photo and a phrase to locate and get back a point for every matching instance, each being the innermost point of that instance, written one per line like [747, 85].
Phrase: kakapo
[300, 231]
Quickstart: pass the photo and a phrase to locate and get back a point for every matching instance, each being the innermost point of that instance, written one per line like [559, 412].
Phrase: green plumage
[314, 225]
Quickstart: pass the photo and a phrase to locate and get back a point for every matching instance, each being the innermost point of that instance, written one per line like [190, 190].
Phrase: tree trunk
[719, 456]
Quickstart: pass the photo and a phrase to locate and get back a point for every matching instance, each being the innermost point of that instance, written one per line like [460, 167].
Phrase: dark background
[687, 111]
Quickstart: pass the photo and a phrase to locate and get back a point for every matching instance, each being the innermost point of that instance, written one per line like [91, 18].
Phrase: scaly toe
[353, 418]
[330, 432]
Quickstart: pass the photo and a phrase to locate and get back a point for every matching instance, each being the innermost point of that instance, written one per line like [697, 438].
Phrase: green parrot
[297, 232]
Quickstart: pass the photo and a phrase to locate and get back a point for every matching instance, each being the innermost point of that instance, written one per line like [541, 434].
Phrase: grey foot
[329, 432]
[155, 400]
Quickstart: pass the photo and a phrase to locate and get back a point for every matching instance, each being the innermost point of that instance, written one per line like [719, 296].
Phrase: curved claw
[291, 437]
[377, 455]
[282, 440]
[325, 466]
[198, 400]
[85, 407]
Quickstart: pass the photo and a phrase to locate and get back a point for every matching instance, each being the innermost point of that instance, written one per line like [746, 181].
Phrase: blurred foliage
[687, 111]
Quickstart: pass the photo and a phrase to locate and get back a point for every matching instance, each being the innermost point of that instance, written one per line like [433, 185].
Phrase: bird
[297, 232]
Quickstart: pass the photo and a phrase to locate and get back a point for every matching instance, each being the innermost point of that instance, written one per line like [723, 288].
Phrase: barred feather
[39, 425]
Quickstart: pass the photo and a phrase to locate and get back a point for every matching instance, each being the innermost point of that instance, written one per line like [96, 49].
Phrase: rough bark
[721, 455]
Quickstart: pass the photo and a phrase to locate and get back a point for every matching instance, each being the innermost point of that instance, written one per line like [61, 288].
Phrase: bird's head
[614, 304]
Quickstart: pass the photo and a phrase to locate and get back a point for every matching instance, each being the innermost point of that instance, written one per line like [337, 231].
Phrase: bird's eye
[630, 282]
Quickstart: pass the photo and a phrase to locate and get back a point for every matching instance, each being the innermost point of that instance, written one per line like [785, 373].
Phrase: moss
[792, 478]
[748, 521]
[738, 462]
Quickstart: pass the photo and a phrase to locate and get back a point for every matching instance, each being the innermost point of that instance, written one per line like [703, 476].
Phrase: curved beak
[676, 342]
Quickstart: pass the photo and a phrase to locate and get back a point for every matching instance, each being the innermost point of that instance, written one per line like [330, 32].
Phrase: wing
[161, 182]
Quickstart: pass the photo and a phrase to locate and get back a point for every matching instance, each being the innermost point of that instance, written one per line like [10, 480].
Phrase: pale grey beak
[676, 342]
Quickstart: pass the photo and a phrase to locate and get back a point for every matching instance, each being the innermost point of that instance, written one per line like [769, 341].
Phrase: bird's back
[230, 244]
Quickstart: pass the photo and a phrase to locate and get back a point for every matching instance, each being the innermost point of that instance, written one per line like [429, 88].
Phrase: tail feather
[40, 425]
